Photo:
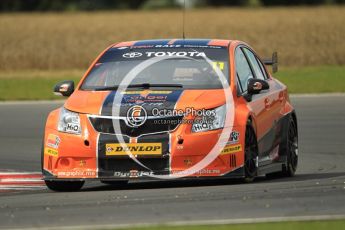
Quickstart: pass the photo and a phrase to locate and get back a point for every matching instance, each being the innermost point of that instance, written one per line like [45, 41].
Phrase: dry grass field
[302, 36]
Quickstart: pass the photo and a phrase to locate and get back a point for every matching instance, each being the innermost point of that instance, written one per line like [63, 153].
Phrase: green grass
[323, 79]
[33, 85]
[38, 85]
[303, 225]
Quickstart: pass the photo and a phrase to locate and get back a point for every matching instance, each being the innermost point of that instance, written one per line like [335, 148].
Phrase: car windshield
[188, 68]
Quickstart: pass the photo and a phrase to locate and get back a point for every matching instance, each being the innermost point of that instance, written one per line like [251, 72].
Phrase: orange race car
[167, 109]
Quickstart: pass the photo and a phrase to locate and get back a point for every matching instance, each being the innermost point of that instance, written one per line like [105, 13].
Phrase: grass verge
[301, 225]
[323, 79]
[38, 85]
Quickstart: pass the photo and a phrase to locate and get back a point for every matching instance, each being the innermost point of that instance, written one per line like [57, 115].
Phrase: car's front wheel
[290, 166]
[64, 186]
[251, 154]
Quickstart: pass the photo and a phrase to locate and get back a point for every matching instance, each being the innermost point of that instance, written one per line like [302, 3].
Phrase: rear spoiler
[273, 62]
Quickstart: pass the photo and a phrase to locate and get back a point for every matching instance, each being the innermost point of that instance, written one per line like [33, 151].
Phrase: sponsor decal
[219, 65]
[231, 149]
[178, 54]
[51, 152]
[132, 55]
[53, 141]
[146, 92]
[73, 128]
[196, 46]
[151, 104]
[82, 163]
[234, 137]
[199, 172]
[188, 162]
[134, 148]
[168, 46]
[163, 53]
[63, 88]
[89, 173]
[257, 86]
[133, 174]
[142, 98]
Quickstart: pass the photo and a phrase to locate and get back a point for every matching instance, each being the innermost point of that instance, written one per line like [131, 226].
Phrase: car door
[261, 104]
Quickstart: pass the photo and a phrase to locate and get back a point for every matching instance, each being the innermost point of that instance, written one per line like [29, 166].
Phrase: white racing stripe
[201, 222]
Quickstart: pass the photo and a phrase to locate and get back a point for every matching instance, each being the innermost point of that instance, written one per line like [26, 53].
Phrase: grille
[157, 165]
[105, 125]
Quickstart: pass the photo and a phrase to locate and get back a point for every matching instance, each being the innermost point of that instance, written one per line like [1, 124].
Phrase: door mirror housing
[273, 62]
[255, 86]
[65, 88]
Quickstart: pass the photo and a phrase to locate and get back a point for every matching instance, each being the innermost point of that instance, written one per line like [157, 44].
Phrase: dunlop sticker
[134, 148]
[51, 152]
[231, 149]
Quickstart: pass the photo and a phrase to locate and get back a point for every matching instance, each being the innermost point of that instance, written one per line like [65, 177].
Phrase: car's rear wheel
[64, 186]
[290, 166]
[250, 155]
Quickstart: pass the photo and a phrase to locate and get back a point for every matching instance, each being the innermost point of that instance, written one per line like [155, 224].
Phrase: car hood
[102, 102]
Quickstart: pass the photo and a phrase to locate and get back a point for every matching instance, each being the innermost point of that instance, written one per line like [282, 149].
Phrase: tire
[115, 182]
[250, 154]
[290, 167]
[64, 186]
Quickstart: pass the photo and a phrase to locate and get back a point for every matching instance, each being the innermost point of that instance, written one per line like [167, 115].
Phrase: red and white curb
[10, 181]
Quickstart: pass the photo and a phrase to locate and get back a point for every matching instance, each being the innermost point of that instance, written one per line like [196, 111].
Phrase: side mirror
[255, 86]
[65, 88]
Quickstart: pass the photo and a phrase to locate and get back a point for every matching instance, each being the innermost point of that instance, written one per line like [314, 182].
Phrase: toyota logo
[132, 55]
[136, 116]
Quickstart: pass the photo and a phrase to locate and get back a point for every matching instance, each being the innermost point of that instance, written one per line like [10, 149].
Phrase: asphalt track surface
[317, 189]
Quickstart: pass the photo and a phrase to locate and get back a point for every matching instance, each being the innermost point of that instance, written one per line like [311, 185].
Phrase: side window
[254, 63]
[262, 68]
[243, 70]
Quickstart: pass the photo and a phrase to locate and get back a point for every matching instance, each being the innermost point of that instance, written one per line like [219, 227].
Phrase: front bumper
[83, 157]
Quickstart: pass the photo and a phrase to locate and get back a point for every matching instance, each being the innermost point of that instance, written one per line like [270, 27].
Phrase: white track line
[16, 187]
[201, 222]
[317, 95]
[19, 173]
[38, 102]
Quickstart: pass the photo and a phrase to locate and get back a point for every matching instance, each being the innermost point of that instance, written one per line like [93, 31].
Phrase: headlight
[69, 122]
[215, 120]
